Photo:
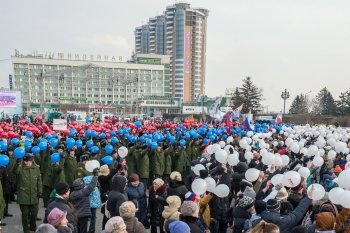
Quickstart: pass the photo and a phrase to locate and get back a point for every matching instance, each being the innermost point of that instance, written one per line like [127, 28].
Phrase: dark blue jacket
[138, 195]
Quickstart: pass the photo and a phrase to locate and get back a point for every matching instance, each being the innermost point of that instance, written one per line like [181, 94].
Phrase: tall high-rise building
[181, 33]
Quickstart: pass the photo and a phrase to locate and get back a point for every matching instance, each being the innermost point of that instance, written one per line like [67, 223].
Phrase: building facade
[180, 33]
[106, 84]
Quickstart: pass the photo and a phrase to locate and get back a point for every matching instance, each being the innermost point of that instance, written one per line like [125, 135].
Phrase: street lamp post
[285, 96]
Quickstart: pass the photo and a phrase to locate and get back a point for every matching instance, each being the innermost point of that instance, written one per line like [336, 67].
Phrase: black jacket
[63, 205]
[177, 189]
[239, 216]
[117, 196]
[156, 204]
[80, 199]
[191, 222]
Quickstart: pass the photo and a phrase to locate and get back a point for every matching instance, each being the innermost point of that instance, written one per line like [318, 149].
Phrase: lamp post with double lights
[285, 95]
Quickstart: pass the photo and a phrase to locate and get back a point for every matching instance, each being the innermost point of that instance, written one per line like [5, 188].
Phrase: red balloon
[4, 135]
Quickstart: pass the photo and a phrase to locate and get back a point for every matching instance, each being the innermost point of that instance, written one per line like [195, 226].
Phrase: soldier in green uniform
[157, 163]
[29, 188]
[130, 158]
[142, 163]
[180, 159]
[2, 205]
[81, 171]
[70, 167]
[168, 154]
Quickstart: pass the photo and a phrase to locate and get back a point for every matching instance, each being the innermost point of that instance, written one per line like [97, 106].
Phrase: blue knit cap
[179, 227]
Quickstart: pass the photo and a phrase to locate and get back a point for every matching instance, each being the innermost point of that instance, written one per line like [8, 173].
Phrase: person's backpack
[107, 213]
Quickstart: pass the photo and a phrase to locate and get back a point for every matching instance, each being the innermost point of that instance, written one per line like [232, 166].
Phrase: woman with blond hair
[264, 227]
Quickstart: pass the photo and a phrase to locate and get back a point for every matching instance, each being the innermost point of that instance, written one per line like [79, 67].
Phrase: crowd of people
[176, 177]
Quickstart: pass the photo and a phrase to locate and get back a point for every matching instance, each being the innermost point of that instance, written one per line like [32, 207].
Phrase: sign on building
[59, 124]
[193, 109]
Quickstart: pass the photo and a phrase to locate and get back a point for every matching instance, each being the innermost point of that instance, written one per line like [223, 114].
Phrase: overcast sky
[301, 45]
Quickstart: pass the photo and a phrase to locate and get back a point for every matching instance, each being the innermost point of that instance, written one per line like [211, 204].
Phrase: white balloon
[252, 174]
[233, 159]
[344, 178]
[331, 141]
[318, 161]
[291, 179]
[222, 190]
[250, 133]
[222, 144]
[345, 199]
[339, 146]
[321, 152]
[346, 151]
[229, 139]
[210, 149]
[285, 160]
[278, 160]
[91, 165]
[312, 150]
[123, 151]
[199, 186]
[301, 144]
[295, 147]
[243, 143]
[211, 184]
[268, 159]
[248, 148]
[248, 155]
[289, 142]
[249, 140]
[221, 156]
[277, 179]
[318, 193]
[197, 168]
[263, 152]
[331, 154]
[227, 149]
[304, 172]
[304, 151]
[335, 194]
[216, 147]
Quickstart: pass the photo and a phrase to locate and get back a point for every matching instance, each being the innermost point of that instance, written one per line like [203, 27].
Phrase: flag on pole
[247, 125]
[278, 119]
[215, 107]
[236, 113]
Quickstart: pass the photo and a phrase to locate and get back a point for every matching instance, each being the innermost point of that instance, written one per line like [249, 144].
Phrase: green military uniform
[196, 151]
[81, 171]
[70, 169]
[157, 164]
[180, 160]
[130, 160]
[54, 174]
[168, 153]
[29, 187]
[142, 163]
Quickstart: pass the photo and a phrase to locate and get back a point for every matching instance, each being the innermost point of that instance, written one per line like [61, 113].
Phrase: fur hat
[61, 188]
[176, 176]
[46, 228]
[134, 177]
[325, 221]
[273, 204]
[174, 202]
[115, 224]
[56, 216]
[158, 181]
[127, 209]
[189, 208]
[246, 202]
[249, 192]
[104, 170]
[282, 194]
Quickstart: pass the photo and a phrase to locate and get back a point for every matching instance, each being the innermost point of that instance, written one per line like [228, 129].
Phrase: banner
[59, 124]
[80, 116]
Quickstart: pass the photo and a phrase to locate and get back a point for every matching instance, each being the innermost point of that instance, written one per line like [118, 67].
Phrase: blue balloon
[138, 124]
[107, 160]
[156, 136]
[182, 142]
[112, 133]
[43, 140]
[212, 138]
[109, 149]
[89, 143]
[88, 133]
[53, 142]
[14, 141]
[55, 157]
[114, 140]
[94, 134]
[133, 139]
[43, 146]
[172, 139]
[4, 160]
[154, 145]
[72, 132]
[70, 142]
[95, 149]
[102, 135]
[148, 141]
[3, 145]
[27, 144]
[35, 150]
[88, 120]
[19, 153]
[79, 143]
[187, 135]
[120, 131]
[205, 141]
[29, 134]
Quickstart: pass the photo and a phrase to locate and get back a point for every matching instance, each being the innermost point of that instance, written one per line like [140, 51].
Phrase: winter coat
[54, 174]
[177, 188]
[2, 203]
[142, 163]
[204, 208]
[67, 229]
[133, 225]
[157, 163]
[238, 176]
[106, 184]
[45, 160]
[117, 195]
[287, 222]
[180, 160]
[170, 214]
[95, 196]
[81, 171]
[253, 221]
[218, 208]
[131, 160]
[138, 195]
[294, 199]
[168, 161]
[70, 170]
[156, 204]
[29, 184]
[80, 199]
[239, 215]
[63, 205]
